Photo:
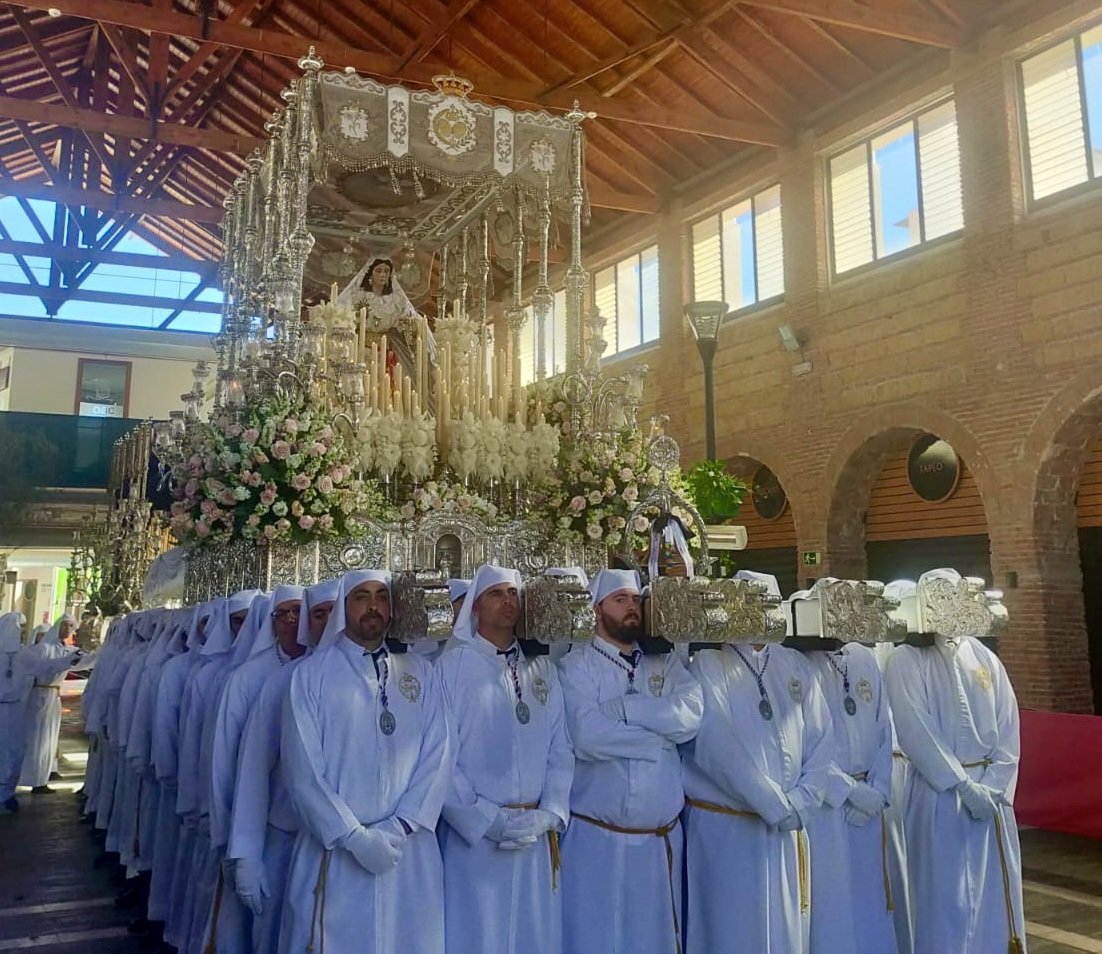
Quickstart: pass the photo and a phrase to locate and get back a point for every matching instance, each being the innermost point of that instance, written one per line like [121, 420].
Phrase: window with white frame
[738, 254]
[627, 295]
[1062, 114]
[896, 190]
[554, 341]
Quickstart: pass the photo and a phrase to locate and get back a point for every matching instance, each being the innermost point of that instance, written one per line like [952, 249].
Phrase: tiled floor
[52, 900]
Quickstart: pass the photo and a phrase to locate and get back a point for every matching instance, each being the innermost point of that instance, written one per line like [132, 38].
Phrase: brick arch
[856, 462]
[744, 458]
[1056, 449]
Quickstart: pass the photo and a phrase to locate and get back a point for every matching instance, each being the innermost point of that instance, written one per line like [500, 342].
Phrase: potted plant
[717, 493]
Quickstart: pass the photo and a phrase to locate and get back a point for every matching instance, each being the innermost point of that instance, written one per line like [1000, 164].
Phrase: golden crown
[451, 85]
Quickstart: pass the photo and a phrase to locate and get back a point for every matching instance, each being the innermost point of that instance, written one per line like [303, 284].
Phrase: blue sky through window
[897, 191]
[1092, 81]
[105, 277]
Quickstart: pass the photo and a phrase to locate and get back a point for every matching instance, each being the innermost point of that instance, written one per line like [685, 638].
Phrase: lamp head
[705, 318]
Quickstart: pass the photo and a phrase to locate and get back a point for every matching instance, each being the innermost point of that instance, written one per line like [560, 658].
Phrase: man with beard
[366, 759]
[510, 791]
[626, 713]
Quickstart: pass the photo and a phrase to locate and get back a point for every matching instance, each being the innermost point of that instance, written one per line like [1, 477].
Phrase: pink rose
[325, 484]
[253, 521]
[269, 531]
[283, 524]
[577, 504]
[250, 436]
[306, 521]
[255, 480]
[318, 449]
[201, 529]
[290, 426]
[260, 457]
[191, 487]
[281, 450]
[268, 496]
[300, 481]
[327, 433]
[326, 521]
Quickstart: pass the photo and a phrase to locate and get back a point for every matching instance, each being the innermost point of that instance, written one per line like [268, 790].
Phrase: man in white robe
[263, 822]
[627, 713]
[93, 706]
[760, 760]
[852, 901]
[510, 792]
[366, 757]
[43, 715]
[20, 668]
[275, 644]
[956, 717]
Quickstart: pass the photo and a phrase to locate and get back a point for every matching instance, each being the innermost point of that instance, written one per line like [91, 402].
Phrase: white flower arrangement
[460, 333]
[516, 452]
[543, 452]
[446, 497]
[491, 439]
[465, 445]
[418, 446]
[333, 315]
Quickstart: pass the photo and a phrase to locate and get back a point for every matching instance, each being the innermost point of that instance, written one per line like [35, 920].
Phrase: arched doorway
[766, 513]
[925, 511]
[1088, 511]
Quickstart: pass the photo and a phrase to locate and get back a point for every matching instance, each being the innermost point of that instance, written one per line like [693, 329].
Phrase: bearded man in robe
[366, 758]
[627, 713]
[510, 792]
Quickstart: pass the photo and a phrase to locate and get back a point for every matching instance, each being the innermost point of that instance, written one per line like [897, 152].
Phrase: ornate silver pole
[577, 278]
[543, 298]
[483, 277]
[463, 282]
[515, 315]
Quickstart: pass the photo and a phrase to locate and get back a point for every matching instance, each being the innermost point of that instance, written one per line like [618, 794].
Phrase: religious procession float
[386, 274]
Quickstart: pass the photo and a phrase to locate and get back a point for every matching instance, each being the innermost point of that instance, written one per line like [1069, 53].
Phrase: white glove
[866, 799]
[532, 823]
[791, 822]
[978, 799]
[251, 883]
[393, 830]
[506, 818]
[373, 850]
[614, 709]
[856, 817]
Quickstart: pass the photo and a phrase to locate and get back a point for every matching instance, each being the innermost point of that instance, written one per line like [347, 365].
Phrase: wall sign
[933, 468]
[812, 558]
[769, 498]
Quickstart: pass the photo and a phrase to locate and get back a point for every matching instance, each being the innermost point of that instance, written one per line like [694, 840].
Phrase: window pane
[604, 300]
[939, 155]
[739, 283]
[627, 304]
[1054, 121]
[769, 241]
[895, 190]
[1092, 81]
[850, 216]
[651, 296]
[707, 268]
[528, 348]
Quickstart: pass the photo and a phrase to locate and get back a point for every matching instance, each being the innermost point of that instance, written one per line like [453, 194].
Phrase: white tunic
[342, 771]
[747, 879]
[498, 900]
[263, 823]
[43, 717]
[622, 892]
[852, 902]
[957, 717]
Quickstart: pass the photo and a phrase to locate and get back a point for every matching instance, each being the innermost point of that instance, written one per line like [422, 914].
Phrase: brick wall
[990, 339]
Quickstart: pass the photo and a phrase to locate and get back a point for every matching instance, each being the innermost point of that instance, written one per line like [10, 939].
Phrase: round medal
[524, 714]
[766, 710]
[631, 691]
[387, 722]
[850, 706]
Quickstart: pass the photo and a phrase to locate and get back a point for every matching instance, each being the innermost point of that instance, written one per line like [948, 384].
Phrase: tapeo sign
[933, 468]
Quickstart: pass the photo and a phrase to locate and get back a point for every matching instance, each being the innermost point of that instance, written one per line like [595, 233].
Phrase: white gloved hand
[373, 850]
[506, 817]
[978, 799]
[614, 709]
[791, 822]
[866, 799]
[856, 817]
[251, 884]
[532, 823]
[393, 829]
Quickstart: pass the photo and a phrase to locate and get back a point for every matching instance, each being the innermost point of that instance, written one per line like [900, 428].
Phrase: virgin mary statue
[389, 312]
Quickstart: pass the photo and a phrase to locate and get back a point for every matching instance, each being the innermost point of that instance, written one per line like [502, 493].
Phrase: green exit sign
[812, 558]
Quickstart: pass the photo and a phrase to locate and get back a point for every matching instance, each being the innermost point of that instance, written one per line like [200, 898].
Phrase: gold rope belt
[664, 834]
[39, 685]
[552, 843]
[801, 843]
[1015, 946]
[319, 905]
[982, 763]
[864, 777]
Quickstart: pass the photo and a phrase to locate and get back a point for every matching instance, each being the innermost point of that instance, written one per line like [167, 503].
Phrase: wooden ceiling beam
[246, 11]
[277, 43]
[801, 61]
[127, 57]
[602, 197]
[866, 17]
[434, 33]
[61, 295]
[67, 253]
[109, 202]
[90, 120]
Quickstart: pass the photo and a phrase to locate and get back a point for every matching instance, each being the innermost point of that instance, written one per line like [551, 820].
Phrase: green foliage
[717, 493]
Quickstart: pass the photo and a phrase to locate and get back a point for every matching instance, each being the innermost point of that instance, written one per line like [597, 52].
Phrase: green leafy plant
[717, 493]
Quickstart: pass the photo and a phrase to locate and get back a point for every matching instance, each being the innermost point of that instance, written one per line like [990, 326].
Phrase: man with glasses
[366, 758]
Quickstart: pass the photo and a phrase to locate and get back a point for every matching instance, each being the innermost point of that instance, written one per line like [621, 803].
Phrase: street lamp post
[705, 318]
